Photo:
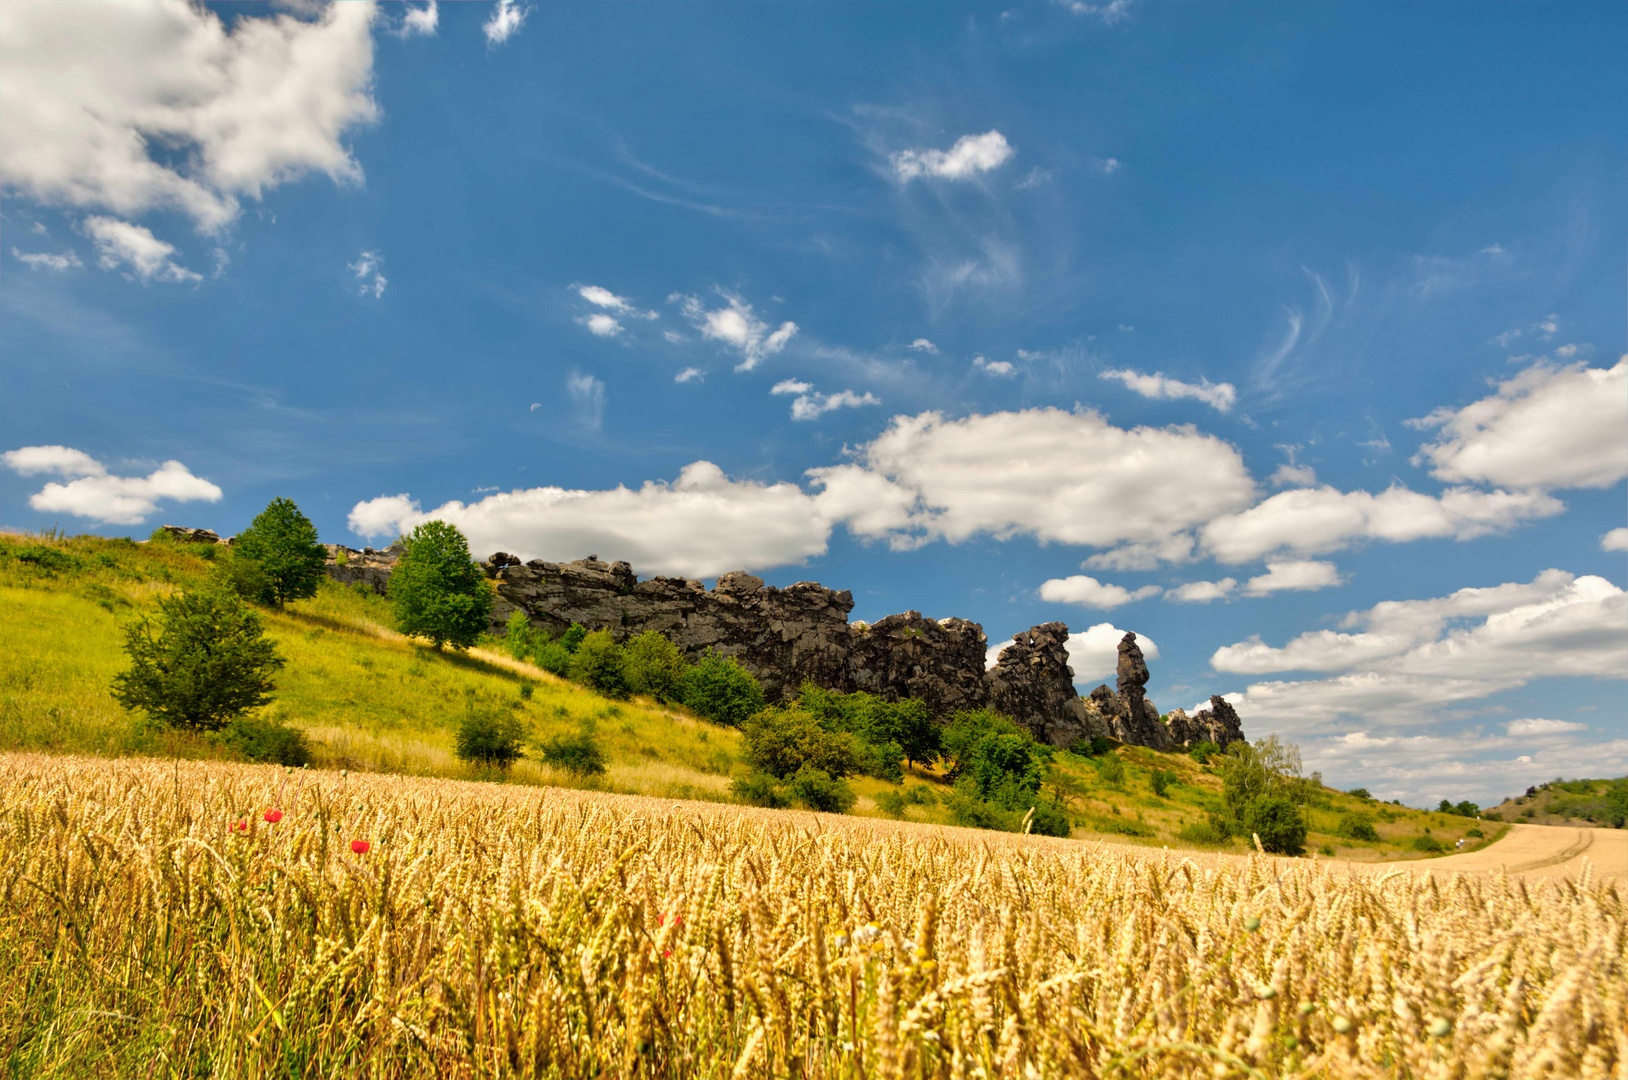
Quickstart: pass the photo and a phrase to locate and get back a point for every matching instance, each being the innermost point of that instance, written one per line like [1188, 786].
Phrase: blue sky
[1288, 338]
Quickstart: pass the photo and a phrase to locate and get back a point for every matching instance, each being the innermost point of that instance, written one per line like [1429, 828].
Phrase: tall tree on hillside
[283, 542]
[437, 591]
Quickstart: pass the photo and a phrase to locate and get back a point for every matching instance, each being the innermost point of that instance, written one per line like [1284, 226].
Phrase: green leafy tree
[436, 591]
[206, 662]
[600, 664]
[1278, 823]
[719, 689]
[655, 666]
[519, 638]
[819, 790]
[579, 754]
[488, 737]
[284, 543]
[1251, 772]
[781, 740]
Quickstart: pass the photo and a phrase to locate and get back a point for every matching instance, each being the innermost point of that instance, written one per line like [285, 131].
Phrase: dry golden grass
[493, 930]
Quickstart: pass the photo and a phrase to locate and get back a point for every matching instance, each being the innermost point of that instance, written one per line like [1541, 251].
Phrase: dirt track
[1536, 851]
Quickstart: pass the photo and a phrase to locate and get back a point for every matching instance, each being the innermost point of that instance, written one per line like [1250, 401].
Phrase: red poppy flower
[240, 826]
[361, 847]
[273, 816]
[677, 919]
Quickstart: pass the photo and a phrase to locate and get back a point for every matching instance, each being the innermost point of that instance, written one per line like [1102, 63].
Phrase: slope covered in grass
[371, 700]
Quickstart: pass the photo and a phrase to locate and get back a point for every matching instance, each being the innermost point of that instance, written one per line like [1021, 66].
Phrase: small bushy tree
[207, 661]
[1357, 827]
[1160, 780]
[1111, 769]
[283, 542]
[719, 689]
[578, 754]
[490, 738]
[819, 790]
[519, 638]
[600, 665]
[1278, 823]
[655, 666]
[266, 739]
[782, 740]
[436, 591]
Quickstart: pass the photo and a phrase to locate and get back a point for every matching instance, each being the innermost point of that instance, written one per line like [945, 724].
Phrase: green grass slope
[1586, 803]
[371, 700]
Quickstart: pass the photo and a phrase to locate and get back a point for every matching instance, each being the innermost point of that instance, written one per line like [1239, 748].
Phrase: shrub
[208, 662]
[1050, 821]
[1426, 842]
[759, 789]
[885, 761]
[436, 591]
[48, 560]
[1202, 832]
[284, 542]
[1111, 769]
[783, 740]
[553, 657]
[265, 739]
[600, 665]
[1476, 832]
[1359, 793]
[243, 576]
[819, 790]
[1326, 849]
[892, 803]
[1203, 751]
[1093, 747]
[578, 754]
[489, 738]
[1160, 781]
[1357, 827]
[655, 667]
[1278, 823]
[719, 689]
[973, 813]
[521, 640]
[920, 795]
[573, 637]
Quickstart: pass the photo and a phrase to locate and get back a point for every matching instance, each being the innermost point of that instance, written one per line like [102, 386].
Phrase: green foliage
[1049, 821]
[759, 789]
[782, 740]
[893, 730]
[488, 737]
[553, 657]
[600, 665]
[1111, 769]
[819, 790]
[1463, 809]
[1359, 793]
[520, 639]
[1476, 832]
[1092, 747]
[1203, 750]
[209, 661]
[655, 667]
[1426, 842]
[244, 577]
[1326, 849]
[267, 739]
[47, 560]
[436, 591]
[1266, 769]
[573, 637]
[719, 689]
[891, 802]
[1203, 832]
[1357, 827]
[1160, 781]
[997, 769]
[284, 542]
[1278, 823]
[1616, 803]
[579, 754]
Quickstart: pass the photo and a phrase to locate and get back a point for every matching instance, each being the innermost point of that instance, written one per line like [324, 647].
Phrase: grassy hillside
[1602, 803]
[371, 700]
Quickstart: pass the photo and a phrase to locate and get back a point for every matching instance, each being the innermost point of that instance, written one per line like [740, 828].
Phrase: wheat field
[206, 919]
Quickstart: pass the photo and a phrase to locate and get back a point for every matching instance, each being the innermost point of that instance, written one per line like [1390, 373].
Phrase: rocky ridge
[784, 636]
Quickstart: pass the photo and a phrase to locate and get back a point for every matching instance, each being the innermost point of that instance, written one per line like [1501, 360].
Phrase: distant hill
[1599, 803]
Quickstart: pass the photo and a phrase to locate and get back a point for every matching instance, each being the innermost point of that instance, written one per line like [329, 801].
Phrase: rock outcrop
[801, 632]
[194, 536]
[1218, 724]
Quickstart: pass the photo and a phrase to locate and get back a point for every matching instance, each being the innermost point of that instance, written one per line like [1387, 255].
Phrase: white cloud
[92, 91]
[601, 325]
[1068, 477]
[1312, 521]
[44, 260]
[1615, 540]
[921, 344]
[1548, 427]
[420, 21]
[1175, 548]
[1092, 653]
[1089, 592]
[1298, 576]
[1218, 396]
[1000, 368]
[810, 405]
[1112, 13]
[971, 155]
[1109, 166]
[791, 386]
[1202, 592]
[1290, 475]
[689, 374]
[604, 298]
[588, 398]
[737, 326]
[91, 492]
[507, 17]
[1517, 728]
[121, 244]
[673, 336]
[370, 278]
[1033, 179]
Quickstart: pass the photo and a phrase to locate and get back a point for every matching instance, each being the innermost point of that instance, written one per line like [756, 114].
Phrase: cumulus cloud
[92, 492]
[1175, 548]
[420, 21]
[1202, 592]
[1000, 368]
[1089, 592]
[44, 260]
[604, 298]
[119, 244]
[130, 108]
[1615, 540]
[1218, 396]
[368, 270]
[587, 399]
[1313, 521]
[921, 344]
[689, 374]
[1291, 475]
[601, 325]
[1092, 653]
[736, 325]
[1521, 728]
[970, 156]
[1295, 576]
[1548, 427]
[505, 20]
[810, 405]
[1111, 14]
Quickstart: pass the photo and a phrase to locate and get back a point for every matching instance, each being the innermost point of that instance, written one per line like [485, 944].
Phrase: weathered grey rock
[193, 536]
[1218, 724]
[1032, 682]
[368, 567]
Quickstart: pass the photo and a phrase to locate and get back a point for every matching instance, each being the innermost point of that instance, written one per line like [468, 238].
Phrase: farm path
[1546, 851]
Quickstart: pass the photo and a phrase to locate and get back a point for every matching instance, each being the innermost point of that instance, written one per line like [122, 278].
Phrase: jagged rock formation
[194, 536]
[1218, 724]
[784, 636]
